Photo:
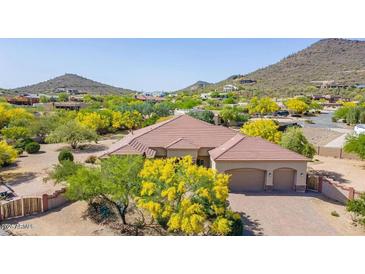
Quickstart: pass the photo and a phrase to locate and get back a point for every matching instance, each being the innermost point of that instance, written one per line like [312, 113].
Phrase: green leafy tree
[72, 133]
[205, 115]
[63, 97]
[294, 139]
[115, 182]
[233, 114]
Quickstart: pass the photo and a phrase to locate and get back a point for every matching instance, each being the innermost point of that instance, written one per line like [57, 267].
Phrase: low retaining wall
[336, 152]
[331, 189]
[28, 205]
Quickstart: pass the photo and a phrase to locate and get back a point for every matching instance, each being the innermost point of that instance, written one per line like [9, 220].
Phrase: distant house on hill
[149, 98]
[23, 100]
[71, 91]
[247, 81]
[329, 84]
[229, 88]
[69, 105]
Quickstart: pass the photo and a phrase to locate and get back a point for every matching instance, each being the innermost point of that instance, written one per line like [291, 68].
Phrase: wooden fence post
[22, 202]
[44, 202]
[1, 209]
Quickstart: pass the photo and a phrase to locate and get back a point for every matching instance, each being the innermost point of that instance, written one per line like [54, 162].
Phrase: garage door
[284, 179]
[246, 180]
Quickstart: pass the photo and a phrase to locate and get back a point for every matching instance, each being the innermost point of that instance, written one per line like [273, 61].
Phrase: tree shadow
[85, 149]
[14, 179]
[338, 177]
[250, 227]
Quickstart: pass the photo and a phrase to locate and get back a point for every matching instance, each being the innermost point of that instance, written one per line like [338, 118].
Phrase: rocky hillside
[197, 85]
[71, 81]
[338, 60]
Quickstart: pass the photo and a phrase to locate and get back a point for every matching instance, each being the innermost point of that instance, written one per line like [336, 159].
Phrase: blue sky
[139, 64]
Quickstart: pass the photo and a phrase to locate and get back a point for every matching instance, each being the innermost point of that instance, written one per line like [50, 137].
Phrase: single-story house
[254, 163]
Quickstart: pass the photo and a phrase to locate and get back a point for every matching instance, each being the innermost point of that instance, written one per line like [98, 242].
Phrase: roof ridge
[284, 148]
[230, 147]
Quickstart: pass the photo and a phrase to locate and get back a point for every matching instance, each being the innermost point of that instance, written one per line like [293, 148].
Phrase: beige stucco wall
[182, 152]
[268, 166]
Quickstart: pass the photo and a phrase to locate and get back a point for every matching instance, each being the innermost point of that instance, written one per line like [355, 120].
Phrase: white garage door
[284, 179]
[246, 180]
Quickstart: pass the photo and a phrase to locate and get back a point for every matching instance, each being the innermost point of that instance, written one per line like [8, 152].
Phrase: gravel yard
[26, 176]
[320, 136]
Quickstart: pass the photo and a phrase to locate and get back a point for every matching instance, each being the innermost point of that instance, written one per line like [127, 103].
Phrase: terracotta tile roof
[185, 132]
[245, 148]
[182, 143]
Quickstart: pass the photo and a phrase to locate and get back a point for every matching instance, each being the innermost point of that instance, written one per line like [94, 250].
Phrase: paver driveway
[292, 214]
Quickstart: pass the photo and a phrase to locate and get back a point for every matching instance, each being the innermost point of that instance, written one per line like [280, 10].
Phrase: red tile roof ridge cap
[224, 150]
[133, 137]
[180, 139]
[284, 148]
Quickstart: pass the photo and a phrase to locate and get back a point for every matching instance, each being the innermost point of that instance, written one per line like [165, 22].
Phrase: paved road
[339, 141]
[290, 215]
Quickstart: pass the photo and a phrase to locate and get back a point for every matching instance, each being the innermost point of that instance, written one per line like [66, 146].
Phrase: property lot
[292, 215]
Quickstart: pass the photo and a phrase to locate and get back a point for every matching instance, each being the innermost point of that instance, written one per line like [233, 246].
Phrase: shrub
[294, 139]
[7, 154]
[335, 214]
[65, 155]
[357, 206]
[32, 147]
[264, 128]
[91, 159]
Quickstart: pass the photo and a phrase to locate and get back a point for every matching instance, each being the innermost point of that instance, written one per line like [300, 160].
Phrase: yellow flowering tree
[262, 106]
[94, 120]
[7, 154]
[187, 199]
[296, 105]
[264, 128]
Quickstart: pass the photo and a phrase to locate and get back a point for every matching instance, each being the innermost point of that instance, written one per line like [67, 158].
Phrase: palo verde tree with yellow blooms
[296, 105]
[8, 154]
[262, 106]
[264, 128]
[187, 199]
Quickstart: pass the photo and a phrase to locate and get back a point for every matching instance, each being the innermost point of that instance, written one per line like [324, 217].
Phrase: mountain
[197, 85]
[71, 81]
[340, 61]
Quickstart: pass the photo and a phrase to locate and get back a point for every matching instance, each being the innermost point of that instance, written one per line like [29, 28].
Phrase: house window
[200, 162]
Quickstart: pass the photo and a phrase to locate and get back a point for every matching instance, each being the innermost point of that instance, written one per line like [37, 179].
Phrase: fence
[336, 152]
[25, 206]
[331, 189]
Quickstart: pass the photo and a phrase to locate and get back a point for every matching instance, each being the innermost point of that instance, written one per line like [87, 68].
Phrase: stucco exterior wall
[182, 152]
[269, 167]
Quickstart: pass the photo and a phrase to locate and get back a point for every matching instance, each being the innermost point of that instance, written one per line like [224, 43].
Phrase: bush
[32, 147]
[65, 155]
[357, 206]
[294, 139]
[20, 144]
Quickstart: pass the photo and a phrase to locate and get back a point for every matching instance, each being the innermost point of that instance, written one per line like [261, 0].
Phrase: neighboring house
[254, 163]
[24, 99]
[229, 88]
[205, 96]
[247, 81]
[69, 105]
[149, 98]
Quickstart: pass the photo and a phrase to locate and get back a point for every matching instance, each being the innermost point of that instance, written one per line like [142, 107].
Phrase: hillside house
[229, 88]
[23, 100]
[253, 163]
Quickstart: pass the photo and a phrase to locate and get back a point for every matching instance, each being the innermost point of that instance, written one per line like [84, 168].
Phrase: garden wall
[24, 206]
[336, 152]
[331, 189]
